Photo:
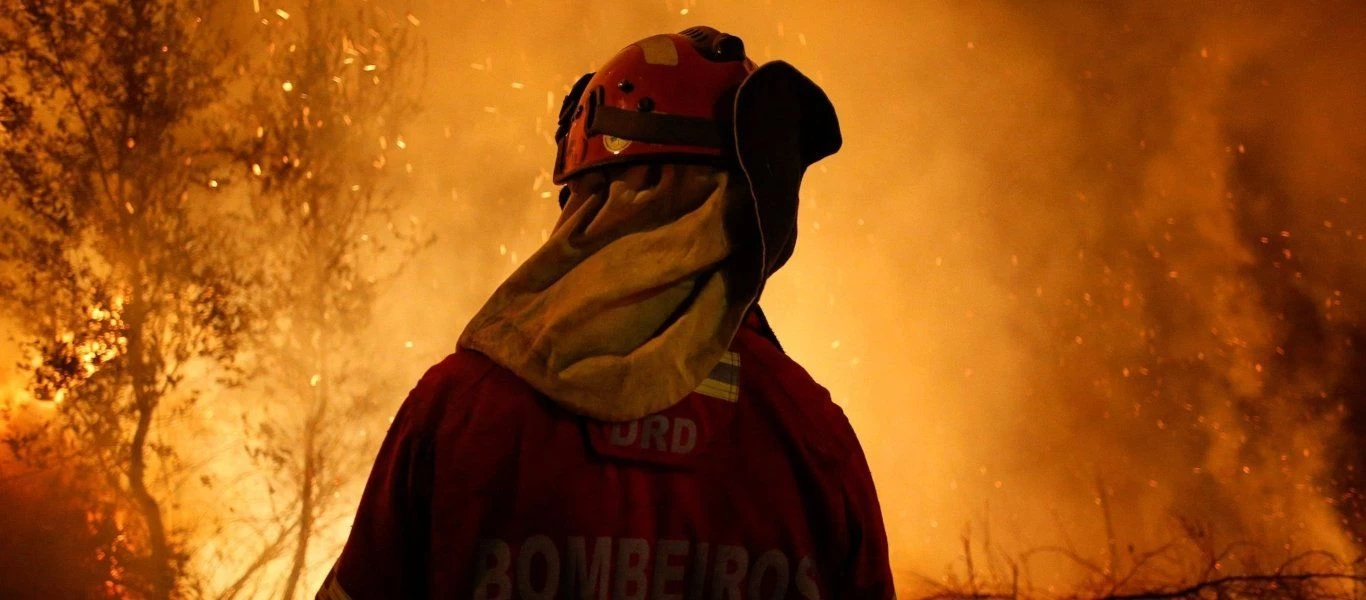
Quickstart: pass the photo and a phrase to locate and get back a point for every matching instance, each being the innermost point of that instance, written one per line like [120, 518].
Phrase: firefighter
[618, 420]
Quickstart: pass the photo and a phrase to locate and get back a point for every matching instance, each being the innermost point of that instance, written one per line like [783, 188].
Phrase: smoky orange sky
[1069, 250]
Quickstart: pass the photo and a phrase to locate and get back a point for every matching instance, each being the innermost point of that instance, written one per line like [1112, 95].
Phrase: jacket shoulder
[460, 370]
[799, 404]
[454, 380]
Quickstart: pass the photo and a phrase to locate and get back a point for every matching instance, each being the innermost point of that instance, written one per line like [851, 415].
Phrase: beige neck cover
[625, 308]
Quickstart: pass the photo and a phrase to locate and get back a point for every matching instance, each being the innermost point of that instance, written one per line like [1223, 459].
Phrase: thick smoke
[1074, 260]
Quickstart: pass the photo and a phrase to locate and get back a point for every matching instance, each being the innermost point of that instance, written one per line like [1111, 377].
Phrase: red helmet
[694, 97]
[669, 96]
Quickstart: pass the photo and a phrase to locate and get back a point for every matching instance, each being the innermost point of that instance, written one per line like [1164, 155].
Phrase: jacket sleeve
[385, 554]
[868, 573]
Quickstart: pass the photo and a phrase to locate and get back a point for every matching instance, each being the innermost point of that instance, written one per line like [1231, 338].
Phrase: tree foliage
[114, 264]
[194, 197]
[333, 91]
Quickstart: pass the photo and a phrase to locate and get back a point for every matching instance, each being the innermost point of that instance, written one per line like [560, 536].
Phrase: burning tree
[115, 267]
[324, 158]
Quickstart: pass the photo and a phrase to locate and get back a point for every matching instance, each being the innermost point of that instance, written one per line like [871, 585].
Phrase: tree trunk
[306, 499]
[145, 401]
[163, 572]
[308, 484]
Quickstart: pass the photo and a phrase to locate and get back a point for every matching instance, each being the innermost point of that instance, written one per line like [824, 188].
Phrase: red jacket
[752, 487]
